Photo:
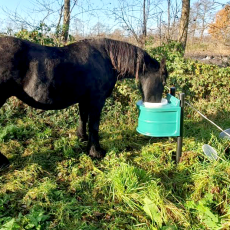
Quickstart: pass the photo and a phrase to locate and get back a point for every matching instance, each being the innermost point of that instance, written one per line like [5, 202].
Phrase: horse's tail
[127, 59]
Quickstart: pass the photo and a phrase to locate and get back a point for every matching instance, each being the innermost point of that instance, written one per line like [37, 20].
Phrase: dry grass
[209, 47]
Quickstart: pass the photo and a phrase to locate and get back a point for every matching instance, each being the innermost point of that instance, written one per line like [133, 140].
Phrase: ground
[222, 61]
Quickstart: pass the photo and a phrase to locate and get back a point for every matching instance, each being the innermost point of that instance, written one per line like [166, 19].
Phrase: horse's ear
[163, 65]
[163, 70]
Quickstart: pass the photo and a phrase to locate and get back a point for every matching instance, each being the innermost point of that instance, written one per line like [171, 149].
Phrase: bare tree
[135, 15]
[42, 11]
[50, 12]
[99, 30]
[124, 14]
[66, 21]
[194, 15]
[146, 8]
[202, 13]
[205, 10]
[184, 21]
[175, 10]
[66, 18]
[169, 19]
[144, 27]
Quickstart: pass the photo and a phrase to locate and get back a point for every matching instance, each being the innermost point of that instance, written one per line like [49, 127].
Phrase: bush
[196, 80]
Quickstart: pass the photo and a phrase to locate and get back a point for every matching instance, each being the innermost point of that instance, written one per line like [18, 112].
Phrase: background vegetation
[53, 184]
[133, 20]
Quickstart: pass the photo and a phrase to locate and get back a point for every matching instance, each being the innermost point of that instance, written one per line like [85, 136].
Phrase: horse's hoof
[82, 137]
[4, 162]
[98, 153]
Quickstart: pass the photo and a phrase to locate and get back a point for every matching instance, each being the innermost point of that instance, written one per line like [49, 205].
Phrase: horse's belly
[48, 95]
[47, 104]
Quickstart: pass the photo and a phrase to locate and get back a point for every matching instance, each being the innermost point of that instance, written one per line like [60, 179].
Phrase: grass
[53, 184]
[211, 47]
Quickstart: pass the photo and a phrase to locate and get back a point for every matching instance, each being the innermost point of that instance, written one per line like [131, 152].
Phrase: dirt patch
[222, 61]
[209, 52]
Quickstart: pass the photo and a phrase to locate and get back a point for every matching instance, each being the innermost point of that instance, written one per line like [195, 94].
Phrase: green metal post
[172, 91]
[180, 138]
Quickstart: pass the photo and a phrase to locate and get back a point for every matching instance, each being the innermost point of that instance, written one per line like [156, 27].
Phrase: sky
[88, 11]
[87, 14]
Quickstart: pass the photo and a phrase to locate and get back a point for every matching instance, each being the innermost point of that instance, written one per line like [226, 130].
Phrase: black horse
[85, 72]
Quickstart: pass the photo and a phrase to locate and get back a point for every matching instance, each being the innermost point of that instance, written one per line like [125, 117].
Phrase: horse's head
[153, 81]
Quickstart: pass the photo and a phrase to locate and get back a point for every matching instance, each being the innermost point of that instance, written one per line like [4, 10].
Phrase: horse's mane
[127, 59]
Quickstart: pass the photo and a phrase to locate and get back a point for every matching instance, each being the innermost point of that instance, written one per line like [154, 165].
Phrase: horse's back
[55, 76]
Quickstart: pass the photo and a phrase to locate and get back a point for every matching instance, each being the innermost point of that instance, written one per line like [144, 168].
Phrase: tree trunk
[144, 26]
[66, 21]
[169, 20]
[184, 23]
[144, 31]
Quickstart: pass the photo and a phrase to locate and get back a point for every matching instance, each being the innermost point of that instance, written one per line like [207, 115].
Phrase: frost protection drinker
[163, 119]
[160, 121]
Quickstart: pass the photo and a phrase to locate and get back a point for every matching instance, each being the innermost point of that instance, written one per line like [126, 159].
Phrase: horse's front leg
[84, 114]
[4, 162]
[94, 149]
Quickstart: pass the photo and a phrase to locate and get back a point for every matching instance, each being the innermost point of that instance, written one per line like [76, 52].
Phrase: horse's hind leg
[94, 149]
[84, 114]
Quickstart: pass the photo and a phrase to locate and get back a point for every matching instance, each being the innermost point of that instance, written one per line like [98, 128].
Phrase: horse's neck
[125, 58]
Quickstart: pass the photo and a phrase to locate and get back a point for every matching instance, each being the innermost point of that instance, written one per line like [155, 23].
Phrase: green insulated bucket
[163, 121]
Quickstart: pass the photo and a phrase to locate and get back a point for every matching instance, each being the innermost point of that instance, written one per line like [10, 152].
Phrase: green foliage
[202, 209]
[15, 132]
[153, 211]
[10, 225]
[198, 81]
[171, 51]
[42, 35]
[37, 220]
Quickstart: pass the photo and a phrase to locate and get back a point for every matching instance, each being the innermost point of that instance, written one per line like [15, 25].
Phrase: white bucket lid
[155, 105]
